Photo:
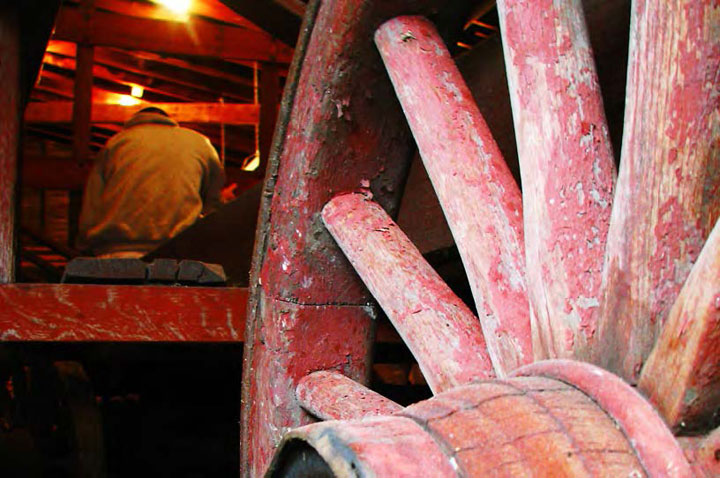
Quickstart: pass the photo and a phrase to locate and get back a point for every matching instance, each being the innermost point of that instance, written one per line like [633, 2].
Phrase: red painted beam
[441, 332]
[479, 196]
[682, 374]
[115, 313]
[668, 190]
[566, 164]
[9, 134]
[333, 396]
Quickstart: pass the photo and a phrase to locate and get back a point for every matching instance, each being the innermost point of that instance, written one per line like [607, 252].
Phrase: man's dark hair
[153, 109]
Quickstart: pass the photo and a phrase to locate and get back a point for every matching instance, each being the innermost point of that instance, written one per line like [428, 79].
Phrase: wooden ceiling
[206, 68]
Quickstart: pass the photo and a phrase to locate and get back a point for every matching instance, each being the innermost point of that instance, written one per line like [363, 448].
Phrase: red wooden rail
[438, 328]
[668, 189]
[478, 194]
[44, 312]
[567, 167]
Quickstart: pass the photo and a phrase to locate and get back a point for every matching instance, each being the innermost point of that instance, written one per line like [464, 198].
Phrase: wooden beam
[194, 37]
[71, 313]
[10, 99]
[227, 113]
[214, 10]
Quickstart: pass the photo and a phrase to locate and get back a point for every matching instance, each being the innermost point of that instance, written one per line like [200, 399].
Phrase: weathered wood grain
[9, 134]
[480, 198]
[51, 312]
[566, 164]
[438, 328]
[654, 444]
[668, 191]
[682, 374]
[333, 396]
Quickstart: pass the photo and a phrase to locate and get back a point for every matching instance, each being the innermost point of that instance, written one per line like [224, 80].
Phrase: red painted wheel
[624, 273]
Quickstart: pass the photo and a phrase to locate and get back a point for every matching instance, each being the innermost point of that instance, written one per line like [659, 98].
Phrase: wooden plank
[9, 135]
[438, 328]
[654, 444]
[195, 37]
[682, 374]
[480, 198]
[99, 270]
[52, 312]
[668, 190]
[332, 396]
[567, 167]
[227, 113]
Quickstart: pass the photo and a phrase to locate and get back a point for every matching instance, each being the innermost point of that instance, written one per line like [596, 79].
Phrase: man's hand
[227, 194]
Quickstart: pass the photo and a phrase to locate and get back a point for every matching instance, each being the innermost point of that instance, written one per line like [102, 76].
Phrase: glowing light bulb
[251, 163]
[179, 7]
[127, 100]
[137, 91]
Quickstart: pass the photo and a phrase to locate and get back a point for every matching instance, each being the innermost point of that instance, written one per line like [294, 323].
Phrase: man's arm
[213, 182]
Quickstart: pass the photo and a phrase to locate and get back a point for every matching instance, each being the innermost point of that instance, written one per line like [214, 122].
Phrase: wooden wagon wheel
[556, 273]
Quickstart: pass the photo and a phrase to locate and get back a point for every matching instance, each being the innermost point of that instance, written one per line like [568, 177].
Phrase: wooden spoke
[479, 196]
[333, 396]
[668, 189]
[423, 309]
[567, 167]
[682, 374]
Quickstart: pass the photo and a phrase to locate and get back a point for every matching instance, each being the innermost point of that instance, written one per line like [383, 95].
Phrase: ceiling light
[179, 7]
[137, 91]
[127, 100]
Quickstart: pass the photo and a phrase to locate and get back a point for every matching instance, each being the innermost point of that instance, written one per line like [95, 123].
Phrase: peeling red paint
[682, 373]
[479, 196]
[668, 188]
[566, 163]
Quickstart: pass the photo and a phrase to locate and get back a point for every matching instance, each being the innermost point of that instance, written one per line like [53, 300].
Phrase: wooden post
[82, 103]
[9, 133]
[478, 194]
[438, 328]
[269, 102]
[668, 191]
[682, 374]
[566, 163]
[333, 396]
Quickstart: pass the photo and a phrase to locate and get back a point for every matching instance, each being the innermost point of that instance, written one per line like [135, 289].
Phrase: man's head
[153, 109]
